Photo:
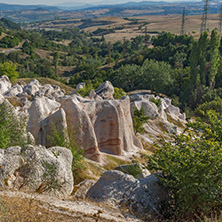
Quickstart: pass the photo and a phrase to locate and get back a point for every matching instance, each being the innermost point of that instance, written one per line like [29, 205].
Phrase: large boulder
[5, 84]
[140, 195]
[40, 109]
[105, 90]
[150, 108]
[54, 122]
[32, 87]
[35, 168]
[14, 91]
[80, 126]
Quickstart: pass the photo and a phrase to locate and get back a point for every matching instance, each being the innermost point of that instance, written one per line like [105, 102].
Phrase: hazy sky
[56, 2]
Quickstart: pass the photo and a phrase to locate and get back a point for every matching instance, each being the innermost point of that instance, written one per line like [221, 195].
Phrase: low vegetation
[190, 169]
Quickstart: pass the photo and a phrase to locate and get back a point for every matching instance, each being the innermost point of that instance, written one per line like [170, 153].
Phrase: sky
[57, 2]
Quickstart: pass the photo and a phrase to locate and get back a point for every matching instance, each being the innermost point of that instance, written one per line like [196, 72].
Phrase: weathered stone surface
[105, 90]
[173, 111]
[80, 126]
[83, 188]
[55, 121]
[149, 107]
[140, 195]
[14, 91]
[32, 87]
[5, 84]
[81, 85]
[40, 108]
[35, 168]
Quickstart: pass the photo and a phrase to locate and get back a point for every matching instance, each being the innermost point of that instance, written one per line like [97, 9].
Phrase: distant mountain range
[79, 6]
[10, 7]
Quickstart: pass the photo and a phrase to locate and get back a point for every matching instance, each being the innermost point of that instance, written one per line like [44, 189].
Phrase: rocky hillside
[100, 125]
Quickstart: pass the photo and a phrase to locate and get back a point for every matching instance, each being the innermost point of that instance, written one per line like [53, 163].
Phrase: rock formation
[98, 123]
[140, 195]
[35, 168]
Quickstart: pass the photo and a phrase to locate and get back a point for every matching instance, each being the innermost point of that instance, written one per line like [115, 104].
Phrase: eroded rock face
[32, 87]
[35, 168]
[5, 84]
[14, 91]
[117, 188]
[105, 90]
[40, 109]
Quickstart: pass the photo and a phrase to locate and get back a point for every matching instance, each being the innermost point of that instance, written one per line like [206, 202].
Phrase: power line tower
[124, 47]
[183, 30]
[146, 40]
[204, 16]
[220, 19]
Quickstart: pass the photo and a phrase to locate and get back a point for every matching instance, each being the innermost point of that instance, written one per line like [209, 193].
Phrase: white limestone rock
[140, 195]
[35, 168]
[5, 84]
[105, 90]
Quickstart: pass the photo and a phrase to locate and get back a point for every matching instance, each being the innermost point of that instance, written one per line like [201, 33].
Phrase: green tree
[214, 57]
[156, 76]
[194, 59]
[9, 69]
[139, 118]
[55, 62]
[203, 45]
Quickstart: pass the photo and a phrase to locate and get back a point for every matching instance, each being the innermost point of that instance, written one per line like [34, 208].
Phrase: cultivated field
[133, 26]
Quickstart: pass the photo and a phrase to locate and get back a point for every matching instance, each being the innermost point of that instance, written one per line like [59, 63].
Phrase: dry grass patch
[112, 162]
[14, 209]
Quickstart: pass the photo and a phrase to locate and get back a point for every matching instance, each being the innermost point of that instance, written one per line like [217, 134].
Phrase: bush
[156, 101]
[12, 128]
[118, 93]
[216, 105]
[64, 139]
[139, 118]
[191, 169]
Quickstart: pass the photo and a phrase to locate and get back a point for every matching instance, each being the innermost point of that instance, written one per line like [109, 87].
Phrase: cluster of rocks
[159, 110]
[139, 195]
[99, 124]
[35, 168]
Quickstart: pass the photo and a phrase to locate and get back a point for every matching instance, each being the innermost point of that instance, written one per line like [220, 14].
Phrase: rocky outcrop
[98, 122]
[105, 90]
[161, 113]
[40, 109]
[140, 195]
[35, 168]
[5, 84]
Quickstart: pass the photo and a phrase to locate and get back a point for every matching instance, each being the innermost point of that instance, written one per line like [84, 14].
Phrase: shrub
[65, 139]
[12, 127]
[191, 169]
[118, 93]
[156, 101]
[216, 105]
[139, 118]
